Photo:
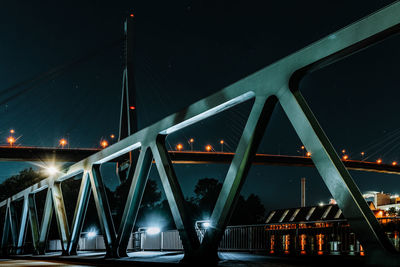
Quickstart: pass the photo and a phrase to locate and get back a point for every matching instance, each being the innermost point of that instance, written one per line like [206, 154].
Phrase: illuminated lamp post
[179, 147]
[222, 145]
[11, 140]
[191, 141]
[104, 143]
[63, 142]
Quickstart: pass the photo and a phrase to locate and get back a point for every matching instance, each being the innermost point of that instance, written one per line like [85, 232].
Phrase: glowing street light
[321, 204]
[179, 147]
[11, 140]
[362, 155]
[344, 151]
[379, 161]
[191, 141]
[63, 142]
[206, 224]
[12, 131]
[222, 145]
[308, 154]
[345, 157]
[104, 143]
[112, 136]
[394, 163]
[208, 148]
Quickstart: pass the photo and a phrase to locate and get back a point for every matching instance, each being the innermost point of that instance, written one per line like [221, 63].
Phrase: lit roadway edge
[8, 153]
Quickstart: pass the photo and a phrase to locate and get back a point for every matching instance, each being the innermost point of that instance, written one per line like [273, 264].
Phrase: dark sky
[186, 50]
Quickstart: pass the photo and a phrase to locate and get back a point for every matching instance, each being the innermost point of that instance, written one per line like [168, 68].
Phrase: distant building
[321, 230]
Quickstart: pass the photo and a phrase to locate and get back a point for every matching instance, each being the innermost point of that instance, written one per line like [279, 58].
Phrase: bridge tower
[128, 117]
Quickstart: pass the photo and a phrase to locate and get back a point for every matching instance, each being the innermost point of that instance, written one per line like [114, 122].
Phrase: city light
[394, 163]
[221, 142]
[302, 147]
[344, 151]
[11, 140]
[104, 143]
[345, 157]
[191, 140]
[362, 154]
[321, 204]
[112, 136]
[208, 148]
[308, 154]
[179, 147]
[153, 230]
[132, 107]
[63, 142]
[12, 131]
[379, 161]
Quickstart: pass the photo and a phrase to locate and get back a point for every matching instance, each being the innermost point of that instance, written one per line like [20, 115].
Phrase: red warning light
[132, 107]
[131, 15]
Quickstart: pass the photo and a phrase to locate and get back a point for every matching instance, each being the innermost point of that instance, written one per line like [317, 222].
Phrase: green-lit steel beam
[277, 82]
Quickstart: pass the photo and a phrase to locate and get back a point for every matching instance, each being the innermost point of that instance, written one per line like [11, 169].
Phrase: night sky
[184, 51]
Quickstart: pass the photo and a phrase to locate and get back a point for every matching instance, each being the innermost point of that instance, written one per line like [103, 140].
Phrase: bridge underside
[277, 83]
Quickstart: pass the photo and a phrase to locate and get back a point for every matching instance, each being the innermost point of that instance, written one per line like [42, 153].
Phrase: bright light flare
[11, 140]
[208, 148]
[12, 131]
[308, 154]
[153, 230]
[104, 144]
[63, 142]
[321, 204]
[379, 161]
[222, 142]
[179, 147]
[91, 234]
[345, 157]
[394, 163]
[51, 170]
[191, 140]
[206, 225]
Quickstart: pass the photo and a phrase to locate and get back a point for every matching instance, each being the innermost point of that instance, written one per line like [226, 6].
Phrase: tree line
[154, 207]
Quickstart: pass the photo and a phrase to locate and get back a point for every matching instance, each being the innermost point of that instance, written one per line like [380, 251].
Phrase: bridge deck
[153, 258]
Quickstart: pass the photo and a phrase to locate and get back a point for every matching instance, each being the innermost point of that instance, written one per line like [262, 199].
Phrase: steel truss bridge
[276, 83]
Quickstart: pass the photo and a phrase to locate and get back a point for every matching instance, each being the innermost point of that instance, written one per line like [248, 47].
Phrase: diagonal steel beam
[46, 221]
[79, 215]
[61, 216]
[175, 197]
[22, 226]
[335, 175]
[34, 223]
[238, 170]
[136, 190]
[103, 209]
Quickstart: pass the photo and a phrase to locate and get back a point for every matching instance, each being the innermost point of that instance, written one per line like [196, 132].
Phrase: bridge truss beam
[277, 83]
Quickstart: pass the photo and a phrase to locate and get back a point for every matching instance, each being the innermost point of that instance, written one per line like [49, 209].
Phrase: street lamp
[191, 141]
[379, 161]
[208, 148]
[179, 147]
[63, 142]
[104, 143]
[11, 140]
[308, 154]
[222, 145]
[12, 131]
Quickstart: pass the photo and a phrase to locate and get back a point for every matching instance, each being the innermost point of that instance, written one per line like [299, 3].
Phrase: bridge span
[52, 154]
